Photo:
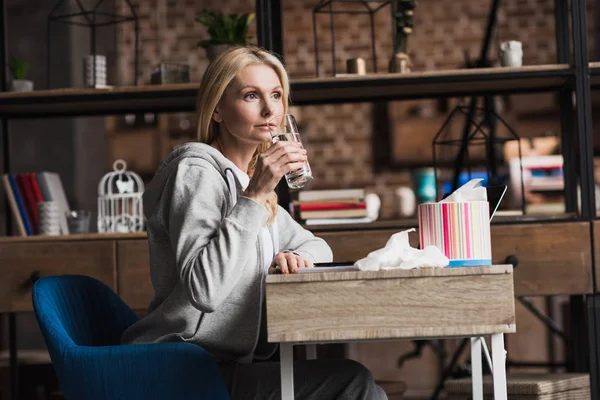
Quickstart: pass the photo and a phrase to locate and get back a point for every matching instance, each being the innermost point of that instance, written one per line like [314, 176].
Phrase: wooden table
[430, 303]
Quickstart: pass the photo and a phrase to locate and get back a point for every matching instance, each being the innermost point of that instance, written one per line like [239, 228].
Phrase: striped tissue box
[460, 230]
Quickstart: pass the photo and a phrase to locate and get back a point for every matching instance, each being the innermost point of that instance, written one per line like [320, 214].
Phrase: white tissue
[470, 191]
[397, 254]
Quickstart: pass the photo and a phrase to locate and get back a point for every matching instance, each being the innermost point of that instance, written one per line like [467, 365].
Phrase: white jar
[511, 54]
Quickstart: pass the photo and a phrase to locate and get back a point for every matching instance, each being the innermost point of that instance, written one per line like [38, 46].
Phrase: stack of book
[24, 191]
[322, 207]
[544, 183]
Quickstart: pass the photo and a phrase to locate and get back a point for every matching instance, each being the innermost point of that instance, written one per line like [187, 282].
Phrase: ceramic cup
[511, 54]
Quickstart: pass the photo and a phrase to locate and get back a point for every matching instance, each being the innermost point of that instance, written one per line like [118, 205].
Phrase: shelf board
[73, 237]
[343, 89]
[430, 84]
[112, 100]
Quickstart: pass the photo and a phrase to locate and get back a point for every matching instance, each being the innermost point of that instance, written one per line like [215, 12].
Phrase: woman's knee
[346, 379]
[364, 378]
[345, 369]
[358, 370]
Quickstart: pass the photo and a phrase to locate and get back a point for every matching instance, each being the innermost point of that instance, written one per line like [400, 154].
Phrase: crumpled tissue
[398, 254]
[470, 191]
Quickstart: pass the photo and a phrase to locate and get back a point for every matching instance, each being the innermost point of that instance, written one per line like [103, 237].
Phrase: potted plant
[225, 30]
[19, 68]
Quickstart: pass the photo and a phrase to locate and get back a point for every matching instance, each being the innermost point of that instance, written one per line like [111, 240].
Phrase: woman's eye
[277, 95]
[250, 96]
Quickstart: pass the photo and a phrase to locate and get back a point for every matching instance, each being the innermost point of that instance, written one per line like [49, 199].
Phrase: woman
[215, 230]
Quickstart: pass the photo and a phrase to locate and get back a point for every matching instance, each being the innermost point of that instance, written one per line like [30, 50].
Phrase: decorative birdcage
[120, 207]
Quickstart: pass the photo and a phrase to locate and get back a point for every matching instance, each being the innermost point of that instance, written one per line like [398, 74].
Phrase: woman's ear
[217, 115]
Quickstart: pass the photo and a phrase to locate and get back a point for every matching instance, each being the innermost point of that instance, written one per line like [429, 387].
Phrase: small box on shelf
[170, 73]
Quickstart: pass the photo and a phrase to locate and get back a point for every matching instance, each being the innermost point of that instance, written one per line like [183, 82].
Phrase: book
[335, 221]
[330, 206]
[20, 204]
[345, 200]
[30, 203]
[312, 195]
[37, 194]
[14, 208]
[36, 197]
[359, 212]
[27, 200]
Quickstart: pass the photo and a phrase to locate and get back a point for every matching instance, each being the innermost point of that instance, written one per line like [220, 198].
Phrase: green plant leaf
[225, 28]
[231, 27]
[207, 17]
[18, 67]
[206, 21]
[242, 27]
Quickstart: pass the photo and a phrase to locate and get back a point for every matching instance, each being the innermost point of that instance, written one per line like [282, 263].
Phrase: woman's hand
[288, 262]
[272, 165]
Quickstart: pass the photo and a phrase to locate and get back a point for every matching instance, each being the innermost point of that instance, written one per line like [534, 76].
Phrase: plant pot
[21, 85]
[214, 51]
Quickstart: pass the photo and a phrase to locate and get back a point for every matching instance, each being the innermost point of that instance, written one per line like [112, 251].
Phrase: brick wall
[339, 137]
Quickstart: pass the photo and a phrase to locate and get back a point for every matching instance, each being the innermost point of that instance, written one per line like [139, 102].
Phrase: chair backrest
[83, 320]
[79, 311]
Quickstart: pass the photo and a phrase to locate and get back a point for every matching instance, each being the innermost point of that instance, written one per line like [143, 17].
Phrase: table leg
[476, 369]
[499, 360]
[593, 303]
[286, 361]
[311, 351]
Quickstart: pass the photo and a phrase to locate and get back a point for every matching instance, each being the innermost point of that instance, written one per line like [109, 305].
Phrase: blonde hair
[217, 78]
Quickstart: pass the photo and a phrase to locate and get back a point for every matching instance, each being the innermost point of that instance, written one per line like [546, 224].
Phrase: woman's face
[249, 102]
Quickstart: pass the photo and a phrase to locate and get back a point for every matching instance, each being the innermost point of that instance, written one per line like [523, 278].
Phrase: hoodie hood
[153, 193]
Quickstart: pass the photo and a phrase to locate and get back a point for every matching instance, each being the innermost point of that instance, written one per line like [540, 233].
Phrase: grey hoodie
[206, 256]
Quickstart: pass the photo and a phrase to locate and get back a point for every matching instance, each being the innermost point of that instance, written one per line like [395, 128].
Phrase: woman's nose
[268, 111]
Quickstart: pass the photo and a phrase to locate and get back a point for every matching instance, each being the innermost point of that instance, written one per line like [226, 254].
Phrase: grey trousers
[326, 379]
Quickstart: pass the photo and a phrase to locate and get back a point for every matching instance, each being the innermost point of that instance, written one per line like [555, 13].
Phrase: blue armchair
[82, 321]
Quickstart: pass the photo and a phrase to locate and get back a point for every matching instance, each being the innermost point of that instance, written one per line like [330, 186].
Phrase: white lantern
[120, 207]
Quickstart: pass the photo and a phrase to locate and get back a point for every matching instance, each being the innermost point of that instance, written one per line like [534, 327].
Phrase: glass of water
[287, 130]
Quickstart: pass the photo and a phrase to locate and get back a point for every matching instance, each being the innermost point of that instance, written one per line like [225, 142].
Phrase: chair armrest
[143, 371]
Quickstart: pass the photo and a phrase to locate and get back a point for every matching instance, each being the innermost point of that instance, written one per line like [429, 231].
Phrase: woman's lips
[266, 126]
